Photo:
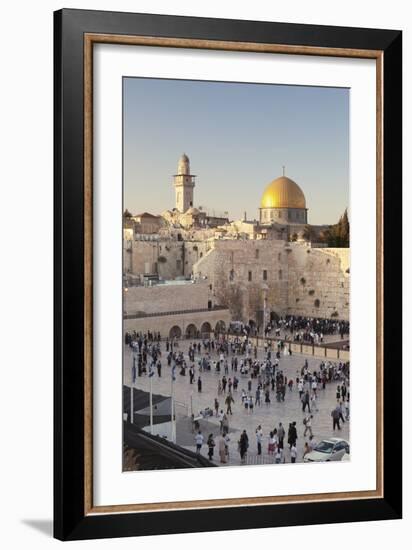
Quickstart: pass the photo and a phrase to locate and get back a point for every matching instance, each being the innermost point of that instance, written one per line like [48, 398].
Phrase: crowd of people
[311, 330]
[234, 359]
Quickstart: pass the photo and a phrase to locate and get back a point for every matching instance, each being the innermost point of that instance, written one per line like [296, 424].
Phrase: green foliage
[308, 233]
[338, 235]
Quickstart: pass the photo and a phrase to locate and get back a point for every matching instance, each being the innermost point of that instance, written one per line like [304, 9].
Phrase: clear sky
[237, 136]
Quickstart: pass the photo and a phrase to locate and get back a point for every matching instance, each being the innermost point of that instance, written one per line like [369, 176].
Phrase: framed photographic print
[227, 274]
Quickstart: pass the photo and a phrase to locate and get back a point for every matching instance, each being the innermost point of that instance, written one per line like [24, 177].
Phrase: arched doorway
[191, 331]
[220, 327]
[175, 332]
[205, 330]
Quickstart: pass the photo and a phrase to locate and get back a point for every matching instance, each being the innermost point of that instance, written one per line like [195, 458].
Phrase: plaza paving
[268, 416]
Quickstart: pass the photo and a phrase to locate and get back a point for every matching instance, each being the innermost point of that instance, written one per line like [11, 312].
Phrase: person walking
[306, 401]
[307, 421]
[300, 388]
[222, 450]
[210, 445]
[221, 415]
[313, 404]
[199, 384]
[271, 444]
[259, 438]
[225, 424]
[198, 441]
[216, 407]
[293, 434]
[229, 400]
[281, 435]
[341, 411]
[257, 396]
[306, 449]
[335, 414]
[243, 446]
[293, 454]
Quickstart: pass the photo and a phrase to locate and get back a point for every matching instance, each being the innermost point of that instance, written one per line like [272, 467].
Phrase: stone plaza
[188, 400]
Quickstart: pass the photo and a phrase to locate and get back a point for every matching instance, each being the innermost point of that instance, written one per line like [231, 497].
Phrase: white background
[26, 274]
[110, 63]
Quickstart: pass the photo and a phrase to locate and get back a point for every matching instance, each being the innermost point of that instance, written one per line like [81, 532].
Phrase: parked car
[328, 450]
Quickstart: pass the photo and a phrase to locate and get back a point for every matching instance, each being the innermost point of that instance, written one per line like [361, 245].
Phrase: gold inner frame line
[93, 38]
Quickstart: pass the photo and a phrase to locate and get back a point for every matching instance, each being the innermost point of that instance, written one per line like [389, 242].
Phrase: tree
[127, 214]
[338, 235]
[308, 233]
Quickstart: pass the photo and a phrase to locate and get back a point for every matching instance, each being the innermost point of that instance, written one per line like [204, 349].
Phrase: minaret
[184, 183]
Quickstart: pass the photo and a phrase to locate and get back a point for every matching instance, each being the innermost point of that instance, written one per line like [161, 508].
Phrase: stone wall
[300, 280]
[318, 282]
[168, 297]
[245, 271]
[165, 257]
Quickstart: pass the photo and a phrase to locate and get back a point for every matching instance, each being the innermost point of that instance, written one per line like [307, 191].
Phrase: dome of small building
[283, 193]
[193, 211]
[183, 166]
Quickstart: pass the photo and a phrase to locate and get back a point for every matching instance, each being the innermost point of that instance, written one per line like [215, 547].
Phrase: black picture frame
[70, 520]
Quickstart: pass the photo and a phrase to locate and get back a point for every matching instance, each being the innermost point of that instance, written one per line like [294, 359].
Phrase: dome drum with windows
[283, 201]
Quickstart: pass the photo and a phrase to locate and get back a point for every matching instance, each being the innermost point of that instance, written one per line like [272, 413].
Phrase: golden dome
[283, 193]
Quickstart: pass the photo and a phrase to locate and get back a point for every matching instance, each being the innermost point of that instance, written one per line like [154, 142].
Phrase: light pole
[265, 289]
[125, 291]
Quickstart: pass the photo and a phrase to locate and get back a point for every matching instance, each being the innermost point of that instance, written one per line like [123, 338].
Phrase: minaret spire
[184, 183]
[283, 170]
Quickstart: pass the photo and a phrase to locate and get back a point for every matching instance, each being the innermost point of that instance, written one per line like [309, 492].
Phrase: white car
[328, 450]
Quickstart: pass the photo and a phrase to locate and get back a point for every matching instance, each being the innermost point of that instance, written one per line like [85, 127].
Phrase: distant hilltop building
[282, 215]
[184, 214]
[283, 201]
